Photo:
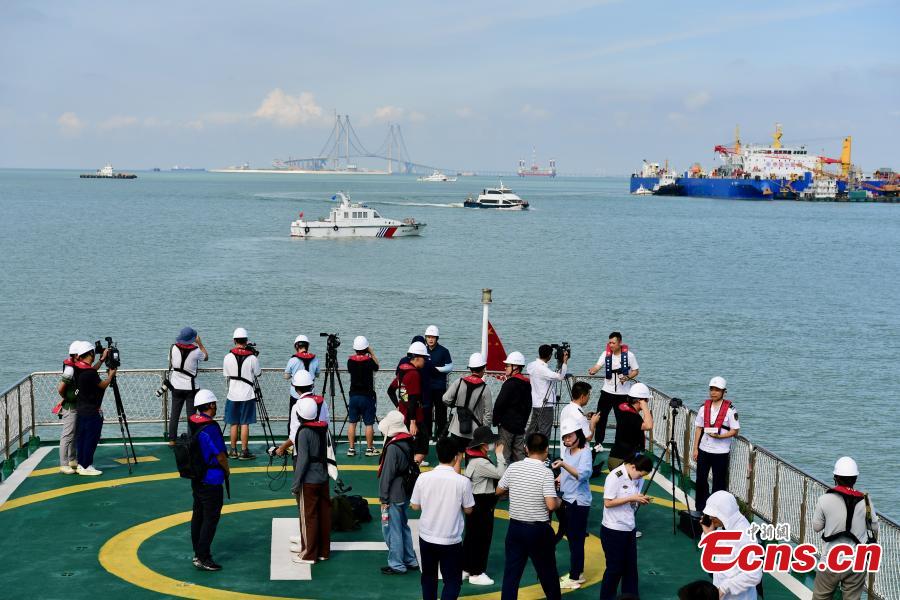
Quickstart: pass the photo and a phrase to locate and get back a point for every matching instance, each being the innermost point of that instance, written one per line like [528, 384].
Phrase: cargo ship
[535, 169]
[762, 172]
[107, 172]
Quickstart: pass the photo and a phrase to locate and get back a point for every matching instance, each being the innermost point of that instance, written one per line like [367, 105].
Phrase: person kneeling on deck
[633, 418]
[395, 480]
[207, 492]
[715, 425]
[843, 515]
[621, 496]
[443, 495]
[88, 398]
[721, 512]
[470, 400]
[532, 495]
[480, 522]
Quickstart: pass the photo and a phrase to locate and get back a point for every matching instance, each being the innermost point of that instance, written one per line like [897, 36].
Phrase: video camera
[562, 349]
[676, 403]
[112, 359]
[251, 346]
[333, 342]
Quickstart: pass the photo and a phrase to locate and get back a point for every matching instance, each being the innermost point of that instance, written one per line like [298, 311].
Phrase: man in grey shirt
[471, 399]
[392, 471]
[310, 486]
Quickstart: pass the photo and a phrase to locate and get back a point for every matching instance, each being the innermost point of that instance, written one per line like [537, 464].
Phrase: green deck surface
[55, 527]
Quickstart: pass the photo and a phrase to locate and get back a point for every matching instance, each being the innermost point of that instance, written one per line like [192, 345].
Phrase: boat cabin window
[346, 215]
[375, 214]
[493, 191]
[489, 201]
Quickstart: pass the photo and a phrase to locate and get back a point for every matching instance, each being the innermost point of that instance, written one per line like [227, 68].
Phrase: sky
[598, 86]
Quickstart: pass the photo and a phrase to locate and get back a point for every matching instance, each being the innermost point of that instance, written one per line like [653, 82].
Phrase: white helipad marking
[281, 567]
[9, 485]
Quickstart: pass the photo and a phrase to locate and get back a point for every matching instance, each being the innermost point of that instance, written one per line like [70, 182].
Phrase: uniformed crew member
[470, 399]
[633, 418]
[715, 425]
[300, 359]
[622, 494]
[184, 361]
[435, 380]
[620, 368]
[241, 368]
[513, 407]
[844, 515]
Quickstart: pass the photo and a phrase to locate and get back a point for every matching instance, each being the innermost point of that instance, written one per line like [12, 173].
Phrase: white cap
[308, 408]
[301, 378]
[204, 397]
[639, 390]
[73, 347]
[568, 426]
[418, 348]
[717, 382]
[82, 348]
[240, 333]
[360, 342]
[433, 330]
[515, 358]
[846, 467]
[476, 361]
[301, 338]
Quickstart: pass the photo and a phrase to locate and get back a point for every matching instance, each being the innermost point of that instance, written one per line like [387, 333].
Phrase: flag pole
[486, 303]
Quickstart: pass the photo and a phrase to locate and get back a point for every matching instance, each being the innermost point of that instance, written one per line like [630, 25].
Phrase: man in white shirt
[443, 495]
[184, 361]
[715, 425]
[573, 412]
[241, 368]
[543, 389]
[620, 369]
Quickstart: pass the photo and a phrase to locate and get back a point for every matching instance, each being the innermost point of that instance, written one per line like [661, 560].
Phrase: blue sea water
[796, 304]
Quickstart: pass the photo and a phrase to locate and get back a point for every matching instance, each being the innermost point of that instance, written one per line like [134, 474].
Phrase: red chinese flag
[496, 353]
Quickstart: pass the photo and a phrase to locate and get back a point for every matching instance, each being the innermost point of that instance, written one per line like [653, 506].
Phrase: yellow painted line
[119, 556]
[140, 459]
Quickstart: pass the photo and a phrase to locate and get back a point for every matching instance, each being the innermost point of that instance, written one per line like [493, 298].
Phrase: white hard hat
[433, 330]
[717, 382]
[515, 358]
[418, 348]
[73, 347]
[308, 408]
[360, 342]
[476, 361]
[639, 390]
[82, 348]
[846, 467]
[568, 426]
[301, 378]
[301, 338]
[240, 333]
[204, 397]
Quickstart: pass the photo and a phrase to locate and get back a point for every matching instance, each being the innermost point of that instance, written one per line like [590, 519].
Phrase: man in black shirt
[633, 418]
[362, 367]
[513, 407]
[88, 398]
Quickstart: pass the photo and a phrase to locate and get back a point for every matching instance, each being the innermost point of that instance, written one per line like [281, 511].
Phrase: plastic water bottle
[384, 516]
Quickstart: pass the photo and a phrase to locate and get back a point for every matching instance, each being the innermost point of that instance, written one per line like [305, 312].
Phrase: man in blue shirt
[302, 359]
[207, 492]
[440, 366]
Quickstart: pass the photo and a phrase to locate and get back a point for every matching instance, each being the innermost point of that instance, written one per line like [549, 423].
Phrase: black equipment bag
[689, 523]
[360, 509]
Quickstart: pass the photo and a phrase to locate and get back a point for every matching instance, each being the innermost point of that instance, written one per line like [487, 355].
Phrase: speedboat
[352, 220]
[437, 176]
[500, 198]
[642, 191]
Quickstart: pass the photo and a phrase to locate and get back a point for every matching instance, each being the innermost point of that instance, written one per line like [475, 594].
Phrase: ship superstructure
[535, 169]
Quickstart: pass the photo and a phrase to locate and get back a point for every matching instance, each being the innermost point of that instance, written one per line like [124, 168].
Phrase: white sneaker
[302, 561]
[294, 539]
[598, 448]
[638, 534]
[424, 463]
[482, 579]
[465, 574]
[296, 548]
[90, 471]
[566, 583]
[73, 463]
[66, 470]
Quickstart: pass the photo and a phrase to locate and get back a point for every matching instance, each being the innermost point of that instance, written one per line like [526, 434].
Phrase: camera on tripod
[333, 342]
[562, 349]
[112, 359]
[676, 403]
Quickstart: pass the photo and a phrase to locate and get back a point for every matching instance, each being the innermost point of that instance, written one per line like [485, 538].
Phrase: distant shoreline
[298, 172]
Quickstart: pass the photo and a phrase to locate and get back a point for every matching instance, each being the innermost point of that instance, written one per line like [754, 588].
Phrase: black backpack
[360, 509]
[189, 457]
[411, 475]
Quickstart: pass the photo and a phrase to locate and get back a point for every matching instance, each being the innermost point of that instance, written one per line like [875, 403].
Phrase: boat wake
[431, 204]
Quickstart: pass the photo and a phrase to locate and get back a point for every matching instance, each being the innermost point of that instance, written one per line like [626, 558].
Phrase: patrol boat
[437, 176]
[501, 198]
[352, 220]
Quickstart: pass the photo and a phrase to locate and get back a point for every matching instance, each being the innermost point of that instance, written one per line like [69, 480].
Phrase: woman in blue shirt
[574, 482]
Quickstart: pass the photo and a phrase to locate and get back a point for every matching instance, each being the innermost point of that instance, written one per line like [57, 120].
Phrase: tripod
[675, 462]
[332, 375]
[264, 413]
[123, 427]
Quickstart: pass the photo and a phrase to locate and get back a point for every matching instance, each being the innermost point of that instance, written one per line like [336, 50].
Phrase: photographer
[471, 399]
[439, 367]
[301, 359]
[620, 368]
[184, 360]
[715, 425]
[241, 368]
[88, 399]
[513, 408]
[362, 367]
[303, 385]
[543, 389]
[65, 410]
[633, 418]
[737, 583]
[574, 410]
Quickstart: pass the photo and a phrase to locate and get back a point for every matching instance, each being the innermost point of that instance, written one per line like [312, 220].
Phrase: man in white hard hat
[65, 410]
[470, 400]
[89, 423]
[633, 419]
[303, 384]
[441, 364]
[844, 515]
[300, 359]
[513, 408]
[362, 366]
[207, 491]
[405, 391]
[715, 425]
[241, 368]
[620, 368]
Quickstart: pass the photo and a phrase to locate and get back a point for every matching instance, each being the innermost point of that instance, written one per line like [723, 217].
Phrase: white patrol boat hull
[320, 230]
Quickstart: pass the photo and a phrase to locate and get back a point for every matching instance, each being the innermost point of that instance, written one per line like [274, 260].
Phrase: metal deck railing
[774, 489]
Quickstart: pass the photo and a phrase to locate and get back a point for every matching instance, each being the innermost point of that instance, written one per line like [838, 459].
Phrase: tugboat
[437, 176]
[668, 186]
[107, 173]
[354, 220]
[501, 198]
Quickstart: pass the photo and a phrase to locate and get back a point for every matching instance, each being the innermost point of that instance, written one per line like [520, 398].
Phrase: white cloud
[287, 110]
[196, 125]
[70, 124]
[389, 113]
[697, 100]
[117, 122]
[534, 112]
[416, 117]
[464, 112]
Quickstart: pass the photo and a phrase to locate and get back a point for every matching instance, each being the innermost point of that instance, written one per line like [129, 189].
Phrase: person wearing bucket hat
[362, 366]
[394, 467]
[574, 481]
[715, 425]
[470, 400]
[513, 408]
[406, 392]
[480, 523]
[184, 361]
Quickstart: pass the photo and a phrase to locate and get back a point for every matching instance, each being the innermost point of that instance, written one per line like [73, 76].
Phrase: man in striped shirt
[532, 495]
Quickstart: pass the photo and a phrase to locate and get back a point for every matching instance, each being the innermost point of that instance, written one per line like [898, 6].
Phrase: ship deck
[128, 536]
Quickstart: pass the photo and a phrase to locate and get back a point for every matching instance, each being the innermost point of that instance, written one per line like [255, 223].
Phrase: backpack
[189, 457]
[343, 516]
[464, 413]
[360, 509]
[410, 476]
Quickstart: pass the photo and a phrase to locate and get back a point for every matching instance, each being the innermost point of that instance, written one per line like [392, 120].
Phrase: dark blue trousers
[87, 436]
[449, 558]
[534, 541]
[620, 548]
[576, 532]
[718, 464]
